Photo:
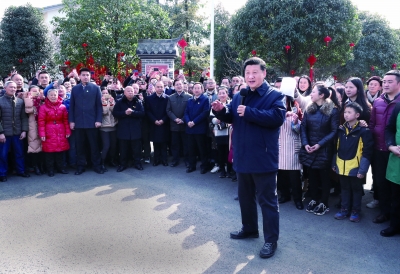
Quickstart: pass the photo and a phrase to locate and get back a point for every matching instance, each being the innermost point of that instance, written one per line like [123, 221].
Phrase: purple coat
[380, 115]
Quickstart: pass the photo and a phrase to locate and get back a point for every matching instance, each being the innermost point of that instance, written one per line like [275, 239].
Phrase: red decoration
[372, 68]
[287, 48]
[43, 66]
[352, 45]
[254, 52]
[327, 39]
[68, 62]
[292, 72]
[394, 66]
[182, 44]
[335, 77]
[20, 61]
[84, 45]
[311, 60]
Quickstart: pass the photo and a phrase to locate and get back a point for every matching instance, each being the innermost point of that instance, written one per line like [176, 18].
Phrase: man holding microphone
[256, 119]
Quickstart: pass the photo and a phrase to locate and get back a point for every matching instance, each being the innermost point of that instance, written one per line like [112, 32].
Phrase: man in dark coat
[156, 110]
[85, 117]
[129, 112]
[196, 120]
[176, 109]
[256, 120]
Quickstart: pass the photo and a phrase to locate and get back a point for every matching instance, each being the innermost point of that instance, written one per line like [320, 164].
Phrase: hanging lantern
[122, 54]
[327, 39]
[351, 45]
[254, 52]
[372, 68]
[43, 66]
[84, 45]
[20, 61]
[182, 44]
[292, 72]
[287, 48]
[312, 60]
[394, 66]
[335, 77]
[68, 62]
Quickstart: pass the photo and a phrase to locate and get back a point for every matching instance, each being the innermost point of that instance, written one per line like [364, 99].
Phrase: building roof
[159, 48]
[53, 7]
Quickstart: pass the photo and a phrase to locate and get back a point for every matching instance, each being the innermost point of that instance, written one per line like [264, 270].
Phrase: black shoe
[112, 163]
[50, 173]
[283, 200]
[243, 234]
[165, 163]
[203, 171]
[268, 250]
[187, 164]
[390, 231]
[25, 175]
[174, 164]
[3, 179]
[121, 168]
[138, 166]
[79, 171]
[190, 169]
[156, 162]
[381, 218]
[234, 177]
[62, 171]
[37, 170]
[299, 205]
[222, 174]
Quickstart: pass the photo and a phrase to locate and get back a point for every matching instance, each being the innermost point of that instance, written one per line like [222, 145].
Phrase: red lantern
[394, 66]
[122, 54]
[84, 45]
[43, 66]
[372, 68]
[327, 39]
[292, 72]
[287, 48]
[311, 60]
[335, 77]
[20, 61]
[254, 52]
[351, 45]
[182, 44]
[68, 62]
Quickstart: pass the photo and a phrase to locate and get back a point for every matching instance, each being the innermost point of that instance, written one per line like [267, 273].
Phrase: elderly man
[19, 80]
[13, 128]
[256, 120]
[176, 109]
[85, 117]
[129, 112]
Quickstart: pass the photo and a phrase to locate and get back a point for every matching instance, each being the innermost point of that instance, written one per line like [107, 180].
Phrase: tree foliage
[267, 26]
[24, 41]
[108, 27]
[375, 52]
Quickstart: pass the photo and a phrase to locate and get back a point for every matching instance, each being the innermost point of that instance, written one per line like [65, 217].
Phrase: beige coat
[108, 118]
[34, 142]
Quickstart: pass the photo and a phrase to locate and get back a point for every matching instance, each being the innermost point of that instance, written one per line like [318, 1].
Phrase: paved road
[162, 220]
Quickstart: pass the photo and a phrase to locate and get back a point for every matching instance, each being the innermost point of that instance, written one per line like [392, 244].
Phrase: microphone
[243, 93]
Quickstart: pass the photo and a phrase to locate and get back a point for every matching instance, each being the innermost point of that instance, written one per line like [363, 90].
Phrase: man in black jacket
[85, 116]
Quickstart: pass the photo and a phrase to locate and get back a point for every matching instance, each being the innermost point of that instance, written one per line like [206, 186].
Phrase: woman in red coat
[54, 131]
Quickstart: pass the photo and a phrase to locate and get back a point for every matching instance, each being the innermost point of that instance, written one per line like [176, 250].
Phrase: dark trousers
[223, 152]
[260, 186]
[380, 161]
[160, 152]
[72, 149]
[178, 145]
[109, 142]
[17, 146]
[317, 178]
[352, 192]
[146, 139]
[395, 209]
[91, 134]
[197, 142]
[290, 180]
[130, 146]
[54, 159]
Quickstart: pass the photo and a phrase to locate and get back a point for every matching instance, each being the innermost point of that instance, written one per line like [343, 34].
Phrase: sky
[387, 8]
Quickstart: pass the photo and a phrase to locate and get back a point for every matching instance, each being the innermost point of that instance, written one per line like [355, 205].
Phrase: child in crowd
[352, 160]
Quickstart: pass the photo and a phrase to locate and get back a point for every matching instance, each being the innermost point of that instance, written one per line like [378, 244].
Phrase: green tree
[227, 62]
[268, 26]
[376, 51]
[108, 27]
[24, 41]
[188, 21]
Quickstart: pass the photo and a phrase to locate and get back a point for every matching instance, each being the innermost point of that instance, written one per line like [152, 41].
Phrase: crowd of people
[328, 137]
